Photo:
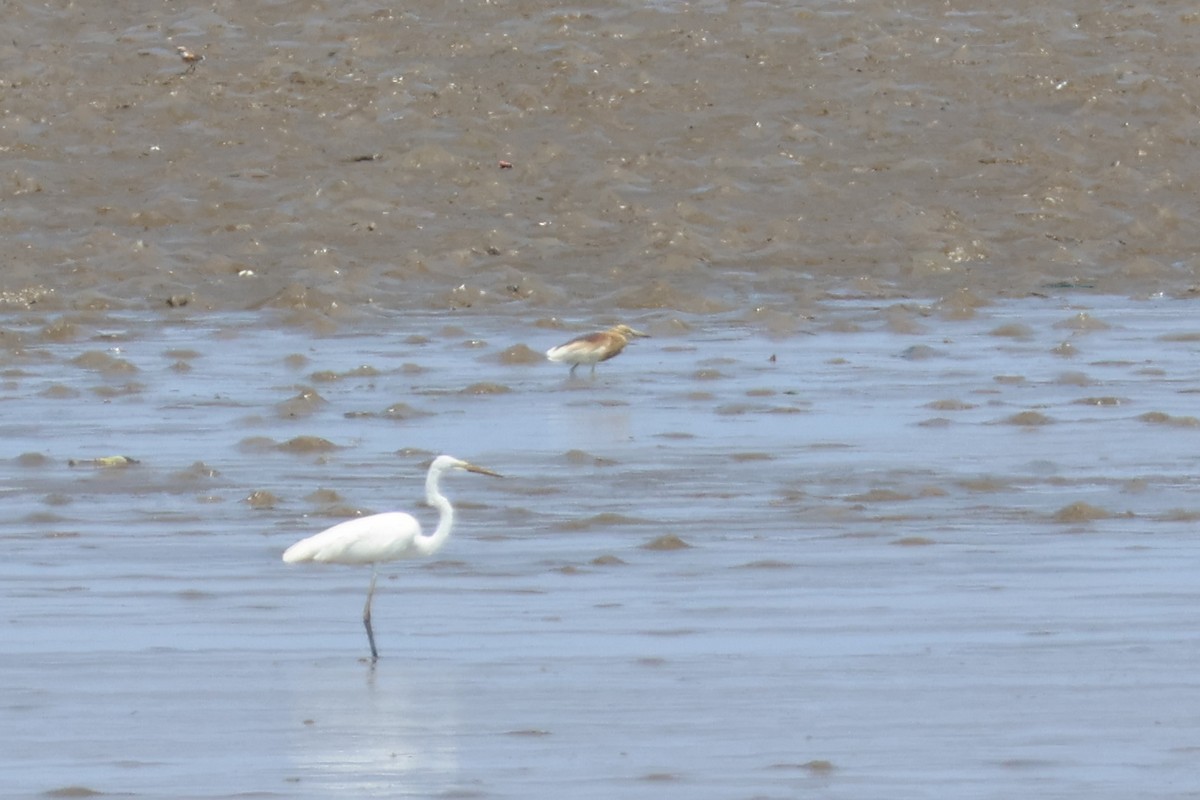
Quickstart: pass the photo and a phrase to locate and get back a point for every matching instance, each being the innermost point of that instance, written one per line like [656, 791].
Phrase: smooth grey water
[893, 583]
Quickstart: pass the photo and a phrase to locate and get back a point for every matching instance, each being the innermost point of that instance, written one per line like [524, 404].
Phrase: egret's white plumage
[592, 348]
[384, 537]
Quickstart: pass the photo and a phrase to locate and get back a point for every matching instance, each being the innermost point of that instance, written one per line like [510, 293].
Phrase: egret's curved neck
[427, 545]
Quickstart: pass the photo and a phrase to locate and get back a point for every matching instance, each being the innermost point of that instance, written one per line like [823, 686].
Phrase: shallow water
[892, 581]
[898, 499]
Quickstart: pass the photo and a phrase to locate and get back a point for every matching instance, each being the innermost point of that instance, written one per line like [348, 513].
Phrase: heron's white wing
[365, 540]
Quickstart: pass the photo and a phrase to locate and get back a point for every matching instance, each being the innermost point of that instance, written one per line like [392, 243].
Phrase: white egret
[390, 536]
[592, 348]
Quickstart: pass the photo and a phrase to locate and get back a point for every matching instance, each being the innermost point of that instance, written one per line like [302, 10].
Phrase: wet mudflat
[892, 503]
[910, 548]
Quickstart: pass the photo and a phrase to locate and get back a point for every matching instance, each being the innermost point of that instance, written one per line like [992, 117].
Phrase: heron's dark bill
[481, 470]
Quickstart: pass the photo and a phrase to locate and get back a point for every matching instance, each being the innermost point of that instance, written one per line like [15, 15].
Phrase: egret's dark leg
[571, 374]
[367, 615]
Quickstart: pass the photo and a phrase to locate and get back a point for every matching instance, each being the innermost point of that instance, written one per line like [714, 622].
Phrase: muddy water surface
[852, 561]
[899, 500]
